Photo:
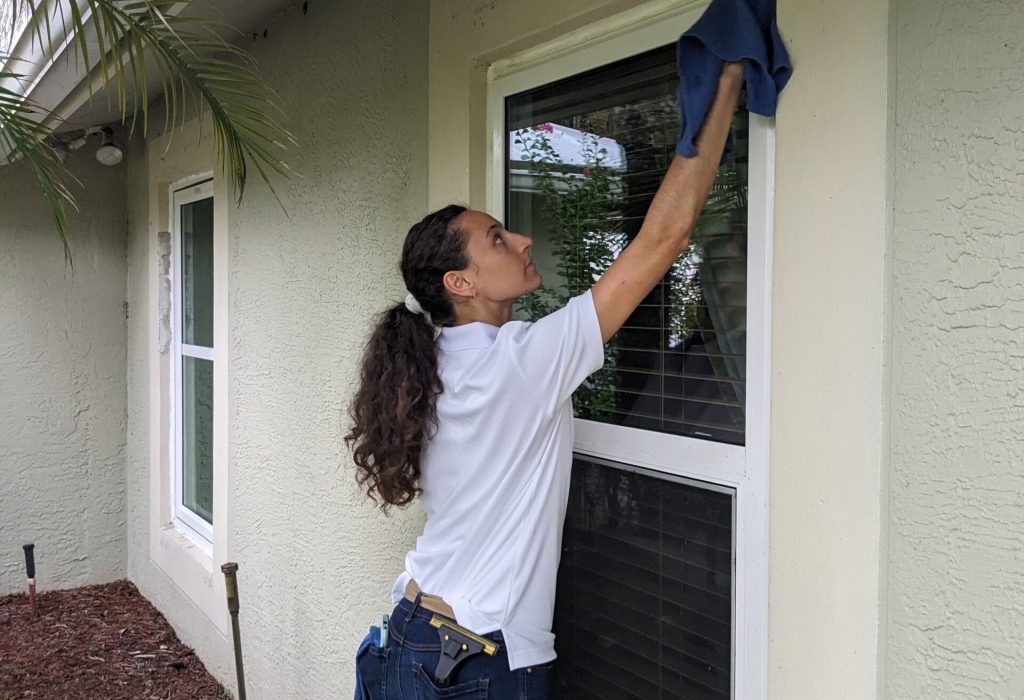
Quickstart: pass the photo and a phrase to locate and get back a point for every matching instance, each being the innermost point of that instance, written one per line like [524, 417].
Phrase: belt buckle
[457, 645]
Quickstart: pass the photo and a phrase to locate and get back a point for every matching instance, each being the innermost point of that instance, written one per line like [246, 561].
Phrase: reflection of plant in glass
[707, 286]
[724, 210]
[595, 211]
[585, 237]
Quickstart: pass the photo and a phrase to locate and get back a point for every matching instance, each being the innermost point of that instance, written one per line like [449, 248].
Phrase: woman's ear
[458, 285]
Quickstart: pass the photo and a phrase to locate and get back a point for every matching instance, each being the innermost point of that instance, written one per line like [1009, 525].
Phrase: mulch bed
[96, 642]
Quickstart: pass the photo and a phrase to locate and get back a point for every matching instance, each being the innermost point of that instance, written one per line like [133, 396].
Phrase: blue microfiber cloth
[729, 30]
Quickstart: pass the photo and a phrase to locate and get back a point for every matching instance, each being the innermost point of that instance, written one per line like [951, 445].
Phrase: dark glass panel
[644, 606]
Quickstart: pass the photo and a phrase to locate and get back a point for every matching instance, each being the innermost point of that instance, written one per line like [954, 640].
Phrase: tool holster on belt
[457, 645]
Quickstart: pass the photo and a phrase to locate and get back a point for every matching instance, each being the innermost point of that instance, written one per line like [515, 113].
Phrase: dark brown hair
[394, 410]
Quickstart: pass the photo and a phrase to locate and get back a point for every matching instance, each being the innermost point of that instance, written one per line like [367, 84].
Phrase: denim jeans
[404, 669]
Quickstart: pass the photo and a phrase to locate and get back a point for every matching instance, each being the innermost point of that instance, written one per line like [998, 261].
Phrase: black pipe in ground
[30, 571]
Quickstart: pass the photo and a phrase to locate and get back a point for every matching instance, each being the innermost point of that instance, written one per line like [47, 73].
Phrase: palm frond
[197, 68]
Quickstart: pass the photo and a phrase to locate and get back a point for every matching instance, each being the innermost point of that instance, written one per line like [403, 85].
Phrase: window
[585, 156]
[188, 362]
[662, 589]
[193, 359]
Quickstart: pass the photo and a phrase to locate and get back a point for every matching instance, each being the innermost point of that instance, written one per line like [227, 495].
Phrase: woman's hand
[732, 70]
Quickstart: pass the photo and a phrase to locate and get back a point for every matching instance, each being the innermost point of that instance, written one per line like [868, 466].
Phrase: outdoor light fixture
[109, 153]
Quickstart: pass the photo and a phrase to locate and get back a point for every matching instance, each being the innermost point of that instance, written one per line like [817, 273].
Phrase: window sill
[191, 568]
[196, 539]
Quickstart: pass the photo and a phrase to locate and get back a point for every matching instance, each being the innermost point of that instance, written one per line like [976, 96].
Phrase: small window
[584, 158]
[193, 358]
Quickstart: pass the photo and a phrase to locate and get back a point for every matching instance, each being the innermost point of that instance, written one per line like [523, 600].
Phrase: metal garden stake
[231, 584]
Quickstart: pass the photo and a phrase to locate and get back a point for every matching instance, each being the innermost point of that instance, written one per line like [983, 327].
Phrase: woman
[472, 413]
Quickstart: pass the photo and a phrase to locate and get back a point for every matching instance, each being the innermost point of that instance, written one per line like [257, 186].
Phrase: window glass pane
[644, 601]
[197, 272]
[197, 436]
[584, 158]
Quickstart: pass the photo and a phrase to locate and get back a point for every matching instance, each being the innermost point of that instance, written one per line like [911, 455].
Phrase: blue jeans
[404, 669]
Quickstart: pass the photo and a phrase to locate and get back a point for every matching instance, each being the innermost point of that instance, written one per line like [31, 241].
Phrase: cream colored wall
[62, 373]
[829, 352]
[316, 561]
[956, 560]
[828, 307]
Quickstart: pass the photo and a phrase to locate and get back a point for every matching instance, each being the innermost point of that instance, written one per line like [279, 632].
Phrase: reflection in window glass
[197, 437]
[197, 272]
[584, 158]
[195, 301]
[644, 600]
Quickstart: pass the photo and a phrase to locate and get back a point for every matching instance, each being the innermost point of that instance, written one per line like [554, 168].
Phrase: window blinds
[678, 364]
[644, 601]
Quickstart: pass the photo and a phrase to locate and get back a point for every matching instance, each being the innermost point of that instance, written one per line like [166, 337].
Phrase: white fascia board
[46, 79]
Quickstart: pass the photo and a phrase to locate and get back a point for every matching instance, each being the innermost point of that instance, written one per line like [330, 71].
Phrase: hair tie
[414, 306]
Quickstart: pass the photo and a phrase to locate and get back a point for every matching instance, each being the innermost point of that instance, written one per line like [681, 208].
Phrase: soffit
[62, 86]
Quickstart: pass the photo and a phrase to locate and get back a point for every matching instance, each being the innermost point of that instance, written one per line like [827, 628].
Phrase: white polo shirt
[495, 477]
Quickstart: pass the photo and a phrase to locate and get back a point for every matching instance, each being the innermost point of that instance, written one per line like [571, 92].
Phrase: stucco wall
[62, 372]
[956, 559]
[317, 561]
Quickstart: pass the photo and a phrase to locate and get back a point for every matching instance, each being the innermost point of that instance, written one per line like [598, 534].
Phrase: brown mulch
[96, 642]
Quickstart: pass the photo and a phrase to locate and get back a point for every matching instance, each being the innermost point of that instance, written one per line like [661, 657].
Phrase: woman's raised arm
[665, 233]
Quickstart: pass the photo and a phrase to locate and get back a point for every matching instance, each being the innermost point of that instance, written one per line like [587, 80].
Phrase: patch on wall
[163, 261]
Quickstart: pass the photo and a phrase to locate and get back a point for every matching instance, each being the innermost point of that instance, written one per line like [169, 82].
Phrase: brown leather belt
[457, 643]
[431, 602]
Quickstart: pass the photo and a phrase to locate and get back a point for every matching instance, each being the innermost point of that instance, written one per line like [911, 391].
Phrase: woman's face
[500, 267]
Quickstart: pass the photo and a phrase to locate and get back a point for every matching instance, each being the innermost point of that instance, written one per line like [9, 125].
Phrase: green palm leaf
[197, 68]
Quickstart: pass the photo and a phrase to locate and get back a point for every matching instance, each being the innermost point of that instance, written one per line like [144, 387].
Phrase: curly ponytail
[394, 410]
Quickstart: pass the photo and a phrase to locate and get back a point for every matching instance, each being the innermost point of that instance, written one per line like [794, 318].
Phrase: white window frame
[184, 519]
[180, 558]
[744, 467]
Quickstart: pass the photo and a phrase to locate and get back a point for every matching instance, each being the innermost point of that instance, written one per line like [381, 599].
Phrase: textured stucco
[316, 560]
[956, 548]
[62, 373]
[304, 291]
